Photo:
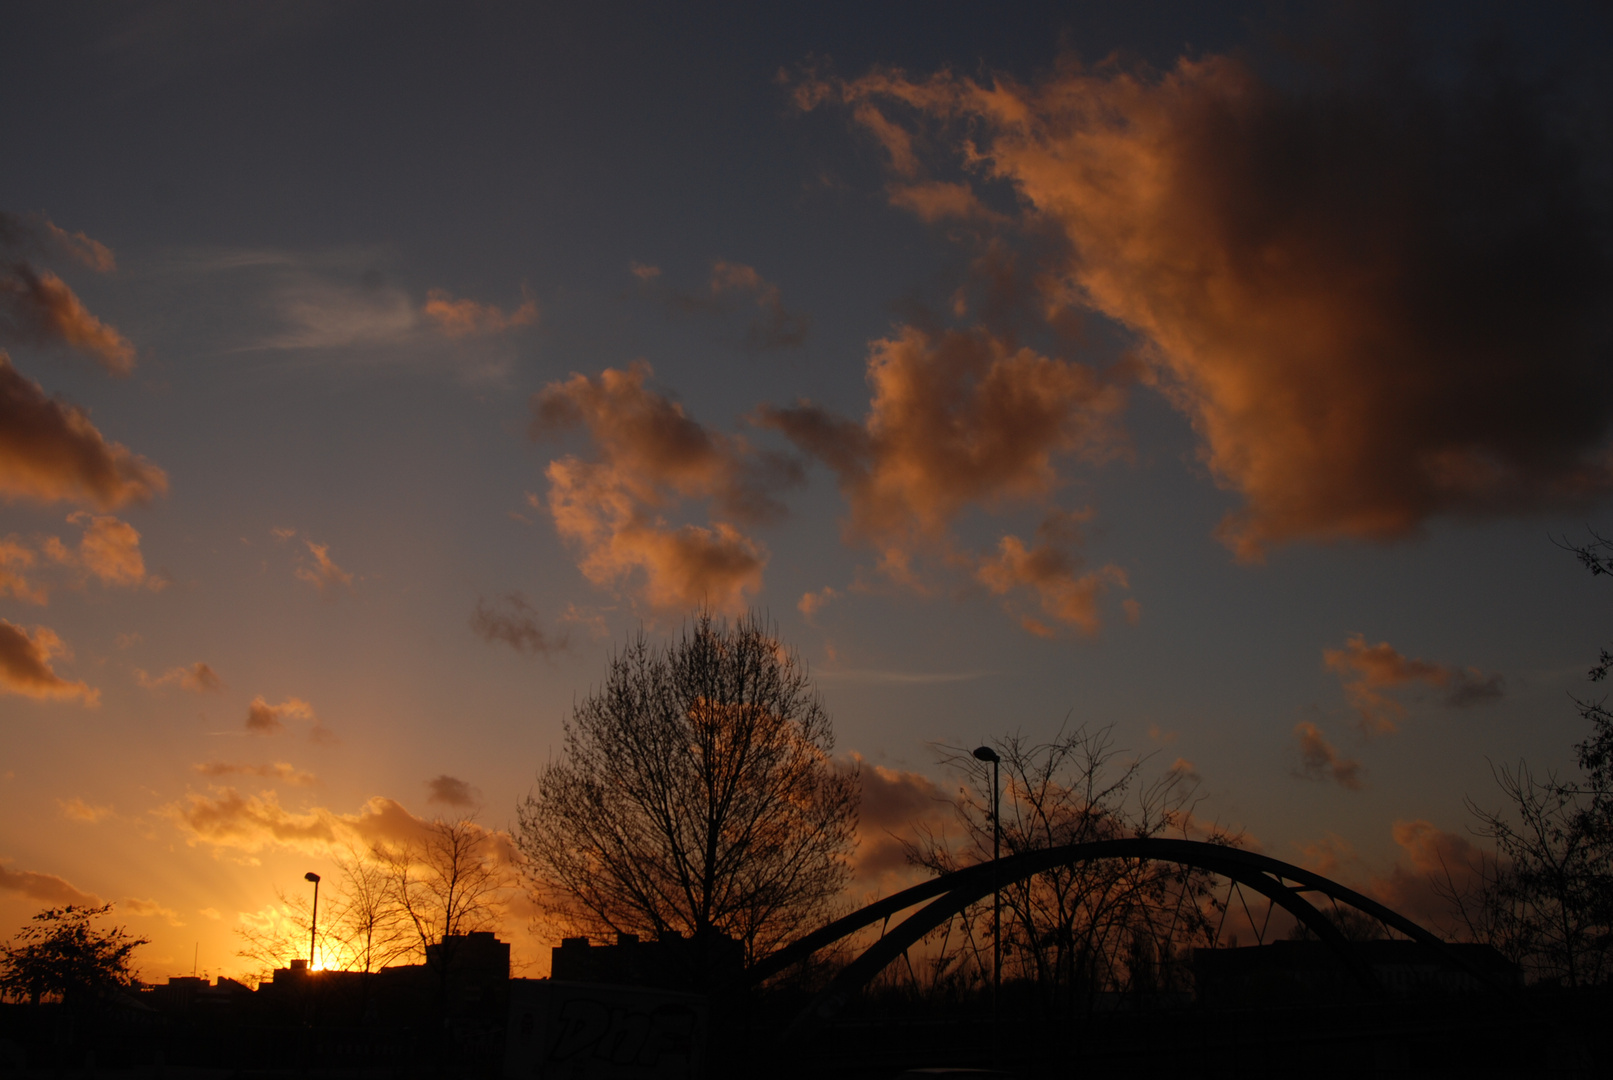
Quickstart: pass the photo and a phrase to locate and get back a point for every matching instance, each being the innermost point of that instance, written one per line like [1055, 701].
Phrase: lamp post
[986, 753]
[313, 920]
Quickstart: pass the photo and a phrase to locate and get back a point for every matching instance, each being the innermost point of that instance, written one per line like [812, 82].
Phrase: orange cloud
[1433, 862]
[1370, 668]
[1376, 304]
[965, 418]
[226, 820]
[76, 809]
[265, 719]
[50, 452]
[1050, 573]
[898, 807]
[44, 887]
[651, 457]
[109, 550]
[938, 200]
[331, 580]
[464, 318]
[813, 602]
[249, 823]
[16, 557]
[39, 308]
[25, 666]
[1319, 760]
[198, 678]
[279, 770]
[517, 626]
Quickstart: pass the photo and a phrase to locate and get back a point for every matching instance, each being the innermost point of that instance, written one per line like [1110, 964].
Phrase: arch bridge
[1283, 884]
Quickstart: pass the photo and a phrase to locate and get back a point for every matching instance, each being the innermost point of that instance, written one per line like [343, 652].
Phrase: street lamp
[313, 920]
[986, 753]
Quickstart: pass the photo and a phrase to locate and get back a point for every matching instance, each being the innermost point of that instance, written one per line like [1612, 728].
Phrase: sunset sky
[1226, 373]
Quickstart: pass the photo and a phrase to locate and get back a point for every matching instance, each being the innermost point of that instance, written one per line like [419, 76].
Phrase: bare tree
[365, 930]
[695, 795]
[1549, 893]
[1072, 930]
[1544, 897]
[451, 881]
[278, 940]
[388, 904]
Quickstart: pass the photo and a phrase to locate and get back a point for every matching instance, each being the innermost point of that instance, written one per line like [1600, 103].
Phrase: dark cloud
[47, 888]
[265, 719]
[730, 285]
[516, 625]
[452, 791]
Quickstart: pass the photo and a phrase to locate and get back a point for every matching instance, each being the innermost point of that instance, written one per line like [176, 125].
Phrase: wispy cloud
[1319, 760]
[514, 621]
[265, 719]
[1370, 669]
[469, 318]
[872, 675]
[76, 809]
[732, 286]
[320, 570]
[279, 770]
[198, 678]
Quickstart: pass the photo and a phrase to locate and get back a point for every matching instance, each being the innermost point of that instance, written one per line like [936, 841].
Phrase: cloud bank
[1377, 300]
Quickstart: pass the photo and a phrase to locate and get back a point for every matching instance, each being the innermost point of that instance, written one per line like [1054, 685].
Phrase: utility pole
[986, 753]
[313, 920]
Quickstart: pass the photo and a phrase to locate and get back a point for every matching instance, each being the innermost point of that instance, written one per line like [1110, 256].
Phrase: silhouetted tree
[1548, 894]
[1544, 897]
[387, 904]
[364, 928]
[1071, 930]
[452, 880]
[695, 794]
[61, 954]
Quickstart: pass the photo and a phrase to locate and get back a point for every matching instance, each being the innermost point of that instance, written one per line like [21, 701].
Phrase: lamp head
[986, 753]
[311, 876]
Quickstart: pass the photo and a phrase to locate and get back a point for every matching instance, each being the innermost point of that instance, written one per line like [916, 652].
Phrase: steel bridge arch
[955, 891]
